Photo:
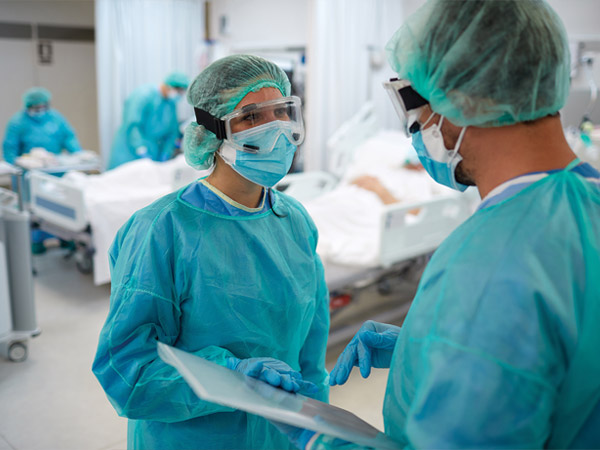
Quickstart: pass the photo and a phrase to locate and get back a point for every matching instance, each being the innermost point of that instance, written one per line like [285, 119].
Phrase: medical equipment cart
[17, 308]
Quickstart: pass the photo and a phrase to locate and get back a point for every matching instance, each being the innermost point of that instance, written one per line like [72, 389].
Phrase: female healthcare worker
[225, 268]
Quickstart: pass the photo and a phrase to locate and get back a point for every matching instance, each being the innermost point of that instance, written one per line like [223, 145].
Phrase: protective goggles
[286, 110]
[407, 103]
[39, 108]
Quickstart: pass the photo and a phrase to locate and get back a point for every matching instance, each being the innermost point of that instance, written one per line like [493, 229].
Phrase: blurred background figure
[38, 126]
[150, 128]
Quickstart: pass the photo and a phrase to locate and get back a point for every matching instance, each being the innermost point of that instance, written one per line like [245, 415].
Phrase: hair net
[36, 96]
[485, 63]
[218, 90]
[177, 80]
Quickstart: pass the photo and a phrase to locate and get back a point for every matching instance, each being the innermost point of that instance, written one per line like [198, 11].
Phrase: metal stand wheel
[17, 351]
[84, 261]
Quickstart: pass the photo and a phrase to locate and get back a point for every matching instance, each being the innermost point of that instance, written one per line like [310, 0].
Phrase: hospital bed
[405, 229]
[397, 241]
[89, 210]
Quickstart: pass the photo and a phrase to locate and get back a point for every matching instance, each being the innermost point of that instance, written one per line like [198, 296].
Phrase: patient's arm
[373, 184]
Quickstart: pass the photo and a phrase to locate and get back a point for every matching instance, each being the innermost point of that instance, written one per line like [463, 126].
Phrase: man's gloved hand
[371, 346]
[272, 371]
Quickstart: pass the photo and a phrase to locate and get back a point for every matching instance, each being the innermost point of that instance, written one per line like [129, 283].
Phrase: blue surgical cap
[36, 96]
[177, 80]
[485, 63]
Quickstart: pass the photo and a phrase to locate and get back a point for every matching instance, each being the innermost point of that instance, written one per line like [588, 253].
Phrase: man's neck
[164, 90]
[500, 154]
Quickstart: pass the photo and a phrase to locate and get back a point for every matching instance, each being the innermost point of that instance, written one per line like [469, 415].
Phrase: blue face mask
[439, 162]
[263, 168]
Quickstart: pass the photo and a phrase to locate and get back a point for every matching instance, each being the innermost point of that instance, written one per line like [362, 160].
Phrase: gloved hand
[297, 436]
[275, 372]
[141, 151]
[371, 346]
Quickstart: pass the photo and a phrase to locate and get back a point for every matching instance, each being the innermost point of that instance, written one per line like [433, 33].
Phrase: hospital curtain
[346, 65]
[140, 42]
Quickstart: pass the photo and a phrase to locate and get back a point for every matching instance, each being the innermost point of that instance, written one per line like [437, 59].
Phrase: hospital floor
[52, 400]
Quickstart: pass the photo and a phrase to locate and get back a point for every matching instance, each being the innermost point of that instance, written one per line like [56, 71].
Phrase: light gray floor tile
[4, 445]
[52, 400]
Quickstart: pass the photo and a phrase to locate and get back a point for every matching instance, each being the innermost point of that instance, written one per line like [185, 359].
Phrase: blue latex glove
[272, 371]
[371, 346]
[297, 436]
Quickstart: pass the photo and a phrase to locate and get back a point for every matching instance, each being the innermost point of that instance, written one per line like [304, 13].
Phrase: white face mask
[439, 161]
[173, 95]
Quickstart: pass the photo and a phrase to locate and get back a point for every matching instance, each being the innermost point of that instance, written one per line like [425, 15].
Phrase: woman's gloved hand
[371, 346]
[272, 371]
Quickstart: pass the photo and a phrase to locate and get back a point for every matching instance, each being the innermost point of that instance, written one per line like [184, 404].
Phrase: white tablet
[218, 384]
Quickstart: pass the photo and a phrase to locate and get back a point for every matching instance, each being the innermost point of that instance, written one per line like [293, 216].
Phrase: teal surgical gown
[149, 120]
[217, 285]
[50, 131]
[500, 348]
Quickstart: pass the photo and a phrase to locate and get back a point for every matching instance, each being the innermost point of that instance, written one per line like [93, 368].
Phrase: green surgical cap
[485, 63]
[218, 90]
[177, 80]
[36, 96]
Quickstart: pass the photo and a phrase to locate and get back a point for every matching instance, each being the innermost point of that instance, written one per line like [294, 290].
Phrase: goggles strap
[210, 122]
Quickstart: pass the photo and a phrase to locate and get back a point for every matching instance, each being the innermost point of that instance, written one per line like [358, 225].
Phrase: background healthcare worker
[500, 346]
[150, 127]
[225, 268]
[38, 126]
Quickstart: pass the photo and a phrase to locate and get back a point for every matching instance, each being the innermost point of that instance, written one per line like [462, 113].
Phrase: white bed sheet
[113, 196]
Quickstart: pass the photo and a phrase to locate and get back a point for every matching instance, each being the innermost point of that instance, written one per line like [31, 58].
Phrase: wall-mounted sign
[45, 52]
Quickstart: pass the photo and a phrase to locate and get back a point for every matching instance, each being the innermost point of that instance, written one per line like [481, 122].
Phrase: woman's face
[251, 119]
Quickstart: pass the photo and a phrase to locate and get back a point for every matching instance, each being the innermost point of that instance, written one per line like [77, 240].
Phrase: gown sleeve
[12, 140]
[70, 142]
[312, 354]
[144, 309]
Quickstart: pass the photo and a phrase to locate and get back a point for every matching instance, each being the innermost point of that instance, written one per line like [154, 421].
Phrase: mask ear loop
[458, 143]
[427, 121]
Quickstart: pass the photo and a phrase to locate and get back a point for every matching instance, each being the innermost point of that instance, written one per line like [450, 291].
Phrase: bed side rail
[57, 201]
[415, 229]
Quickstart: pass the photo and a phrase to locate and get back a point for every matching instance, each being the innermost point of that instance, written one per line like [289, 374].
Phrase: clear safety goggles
[236, 126]
[407, 103]
[40, 108]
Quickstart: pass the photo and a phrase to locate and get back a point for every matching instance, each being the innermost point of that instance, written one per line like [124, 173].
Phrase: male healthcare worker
[500, 347]
[38, 126]
[150, 127]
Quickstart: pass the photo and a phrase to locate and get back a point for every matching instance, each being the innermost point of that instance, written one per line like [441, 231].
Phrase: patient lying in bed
[383, 172]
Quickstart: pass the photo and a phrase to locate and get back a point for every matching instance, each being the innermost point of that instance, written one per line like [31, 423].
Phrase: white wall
[260, 23]
[71, 78]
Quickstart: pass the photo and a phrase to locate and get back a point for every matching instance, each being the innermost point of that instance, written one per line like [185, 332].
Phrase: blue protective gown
[500, 346]
[149, 120]
[188, 272]
[51, 131]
